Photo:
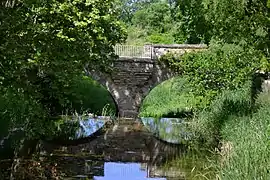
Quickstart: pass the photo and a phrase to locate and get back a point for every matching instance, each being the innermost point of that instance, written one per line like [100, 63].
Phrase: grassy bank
[235, 125]
[170, 98]
[247, 156]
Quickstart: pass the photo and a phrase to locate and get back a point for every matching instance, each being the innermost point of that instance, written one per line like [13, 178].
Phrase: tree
[155, 17]
[239, 21]
[130, 7]
[43, 44]
[192, 27]
[49, 41]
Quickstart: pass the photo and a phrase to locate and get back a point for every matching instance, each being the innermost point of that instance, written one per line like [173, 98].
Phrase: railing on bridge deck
[145, 51]
[152, 51]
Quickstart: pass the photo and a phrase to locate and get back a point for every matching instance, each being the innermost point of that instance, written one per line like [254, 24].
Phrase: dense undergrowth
[21, 113]
[236, 123]
[247, 144]
[88, 95]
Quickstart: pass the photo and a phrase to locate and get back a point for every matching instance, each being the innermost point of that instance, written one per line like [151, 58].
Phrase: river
[125, 151]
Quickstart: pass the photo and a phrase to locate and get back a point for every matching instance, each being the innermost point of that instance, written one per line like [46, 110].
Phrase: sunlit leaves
[221, 67]
[44, 44]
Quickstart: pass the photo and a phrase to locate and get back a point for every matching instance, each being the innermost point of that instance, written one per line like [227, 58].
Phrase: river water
[125, 151]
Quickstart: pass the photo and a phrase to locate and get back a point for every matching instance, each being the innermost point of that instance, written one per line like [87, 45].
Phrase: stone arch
[131, 81]
[160, 74]
[107, 83]
[134, 76]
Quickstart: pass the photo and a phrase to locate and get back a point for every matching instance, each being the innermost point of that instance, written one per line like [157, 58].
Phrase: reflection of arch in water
[168, 99]
[170, 130]
[161, 153]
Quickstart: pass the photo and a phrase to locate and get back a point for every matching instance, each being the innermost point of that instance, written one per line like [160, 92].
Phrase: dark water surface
[125, 151]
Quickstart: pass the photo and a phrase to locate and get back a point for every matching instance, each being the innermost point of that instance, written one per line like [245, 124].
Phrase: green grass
[250, 144]
[241, 131]
[208, 122]
[169, 98]
[232, 123]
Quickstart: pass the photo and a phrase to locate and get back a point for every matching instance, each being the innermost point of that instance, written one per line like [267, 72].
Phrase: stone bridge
[136, 72]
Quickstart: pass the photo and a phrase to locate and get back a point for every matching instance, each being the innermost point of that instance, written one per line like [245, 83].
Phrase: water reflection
[172, 130]
[88, 127]
[116, 159]
[70, 130]
[125, 151]
[123, 171]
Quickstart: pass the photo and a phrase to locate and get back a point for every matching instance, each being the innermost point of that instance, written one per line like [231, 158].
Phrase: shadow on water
[126, 150]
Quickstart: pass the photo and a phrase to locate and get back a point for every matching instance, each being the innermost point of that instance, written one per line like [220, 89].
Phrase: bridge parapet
[154, 51]
[130, 51]
[180, 49]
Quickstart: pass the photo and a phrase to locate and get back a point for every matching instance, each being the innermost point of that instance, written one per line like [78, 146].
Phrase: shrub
[221, 67]
[161, 38]
[208, 123]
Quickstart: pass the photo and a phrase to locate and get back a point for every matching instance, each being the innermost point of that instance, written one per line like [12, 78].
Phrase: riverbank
[248, 145]
[83, 96]
[234, 126]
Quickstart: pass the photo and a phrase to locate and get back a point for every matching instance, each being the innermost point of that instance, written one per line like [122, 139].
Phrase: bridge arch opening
[93, 97]
[169, 98]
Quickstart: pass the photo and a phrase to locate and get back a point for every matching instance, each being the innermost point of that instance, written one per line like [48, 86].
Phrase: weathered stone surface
[133, 78]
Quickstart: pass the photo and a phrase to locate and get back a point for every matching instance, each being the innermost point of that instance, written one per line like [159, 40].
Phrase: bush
[221, 67]
[20, 117]
[208, 123]
[86, 94]
[160, 38]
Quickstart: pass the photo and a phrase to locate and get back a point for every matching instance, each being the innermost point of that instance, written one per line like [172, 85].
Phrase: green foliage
[250, 149]
[154, 18]
[170, 97]
[43, 46]
[208, 123]
[221, 67]
[153, 22]
[56, 40]
[192, 27]
[239, 21]
[88, 95]
[130, 7]
[136, 36]
[160, 38]
[139, 36]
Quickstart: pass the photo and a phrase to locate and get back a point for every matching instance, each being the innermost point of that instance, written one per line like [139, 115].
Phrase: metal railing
[134, 51]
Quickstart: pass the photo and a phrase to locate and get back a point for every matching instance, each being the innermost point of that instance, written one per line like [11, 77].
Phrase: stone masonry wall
[133, 78]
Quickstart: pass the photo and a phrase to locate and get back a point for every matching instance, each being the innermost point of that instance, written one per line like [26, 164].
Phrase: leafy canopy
[44, 44]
